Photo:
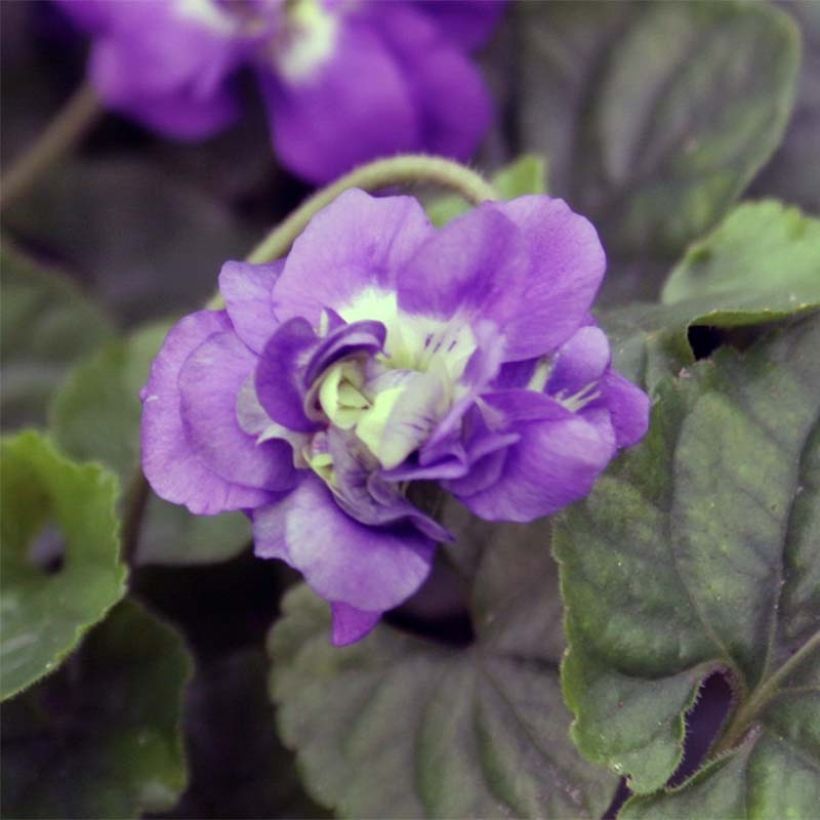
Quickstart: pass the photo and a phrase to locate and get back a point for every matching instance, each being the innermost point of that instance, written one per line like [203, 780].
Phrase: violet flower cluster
[344, 81]
[383, 355]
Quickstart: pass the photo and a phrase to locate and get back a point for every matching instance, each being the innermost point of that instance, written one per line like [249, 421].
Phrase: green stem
[403, 169]
[62, 134]
[763, 694]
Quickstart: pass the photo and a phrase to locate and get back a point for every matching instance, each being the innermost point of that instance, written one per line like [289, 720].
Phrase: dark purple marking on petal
[279, 383]
[348, 340]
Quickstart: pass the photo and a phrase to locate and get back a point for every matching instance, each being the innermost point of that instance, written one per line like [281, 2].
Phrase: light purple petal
[351, 624]
[343, 561]
[580, 362]
[555, 463]
[567, 266]
[474, 266]
[358, 337]
[357, 242]
[354, 107]
[279, 385]
[629, 407]
[171, 464]
[437, 72]
[209, 382]
[247, 292]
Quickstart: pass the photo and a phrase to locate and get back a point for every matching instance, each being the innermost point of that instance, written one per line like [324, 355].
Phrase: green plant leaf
[398, 726]
[765, 257]
[109, 723]
[96, 415]
[45, 324]
[526, 175]
[655, 116]
[761, 264]
[698, 552]
[61, 571]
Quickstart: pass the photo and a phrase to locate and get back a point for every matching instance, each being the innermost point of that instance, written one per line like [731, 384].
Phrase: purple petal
[476, 265]
[369, 568]
[355, 106]
[469, 24]
[567, 265]
[351, 624]
[171, 464]
[629, 407]
[555, 463]
[357, 337]
[209, 382]
[160, 68]
[356, 243]
[279, 385]
[437, 72]
[247, 292]
[580, 362]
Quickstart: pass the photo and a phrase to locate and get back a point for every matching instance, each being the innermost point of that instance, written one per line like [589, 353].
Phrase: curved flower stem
[383, 173]
[67, 128]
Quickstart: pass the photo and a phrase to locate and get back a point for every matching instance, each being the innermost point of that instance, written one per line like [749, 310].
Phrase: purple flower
[344, 81]
[380, 357]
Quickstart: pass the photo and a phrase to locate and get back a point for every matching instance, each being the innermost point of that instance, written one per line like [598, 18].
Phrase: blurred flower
[344, 81]
[382, 356]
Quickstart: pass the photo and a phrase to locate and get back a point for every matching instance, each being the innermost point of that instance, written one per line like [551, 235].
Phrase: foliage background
[654, 119]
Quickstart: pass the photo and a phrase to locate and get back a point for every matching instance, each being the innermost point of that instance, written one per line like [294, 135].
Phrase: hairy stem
[70, 125]
[764, 693]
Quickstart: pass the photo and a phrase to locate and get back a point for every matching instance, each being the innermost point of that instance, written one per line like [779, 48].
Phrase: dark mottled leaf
[698, 551]
[398, 726]
[101, 738]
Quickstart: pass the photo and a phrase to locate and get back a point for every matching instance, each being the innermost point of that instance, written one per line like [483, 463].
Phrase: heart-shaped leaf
[697, 552]
[398, 726]
[61, 570]
[655, 116]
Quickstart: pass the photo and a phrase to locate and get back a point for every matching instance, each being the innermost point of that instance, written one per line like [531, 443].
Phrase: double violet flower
[382, 357]
[344, 81]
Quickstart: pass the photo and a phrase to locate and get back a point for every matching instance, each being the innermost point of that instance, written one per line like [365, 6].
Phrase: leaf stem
[399, 170]
[68, 127]
[763, 694]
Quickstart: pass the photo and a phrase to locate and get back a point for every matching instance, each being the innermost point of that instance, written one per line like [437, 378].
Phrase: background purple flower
[343, 82]
[379, 354]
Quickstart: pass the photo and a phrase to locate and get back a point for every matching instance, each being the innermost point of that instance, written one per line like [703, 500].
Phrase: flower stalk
[62, 135]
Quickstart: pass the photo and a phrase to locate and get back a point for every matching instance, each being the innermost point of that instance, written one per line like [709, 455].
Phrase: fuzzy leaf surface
[398, 726]
[698, 552]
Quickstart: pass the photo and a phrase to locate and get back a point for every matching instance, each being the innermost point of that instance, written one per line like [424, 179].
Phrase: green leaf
[764, 261]
[760, 265]
[109, 723]
[52, 510]
[398, 726]
[655, 116]
[45, 324]
[96, 415]
[526, 175]
[697, 552]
